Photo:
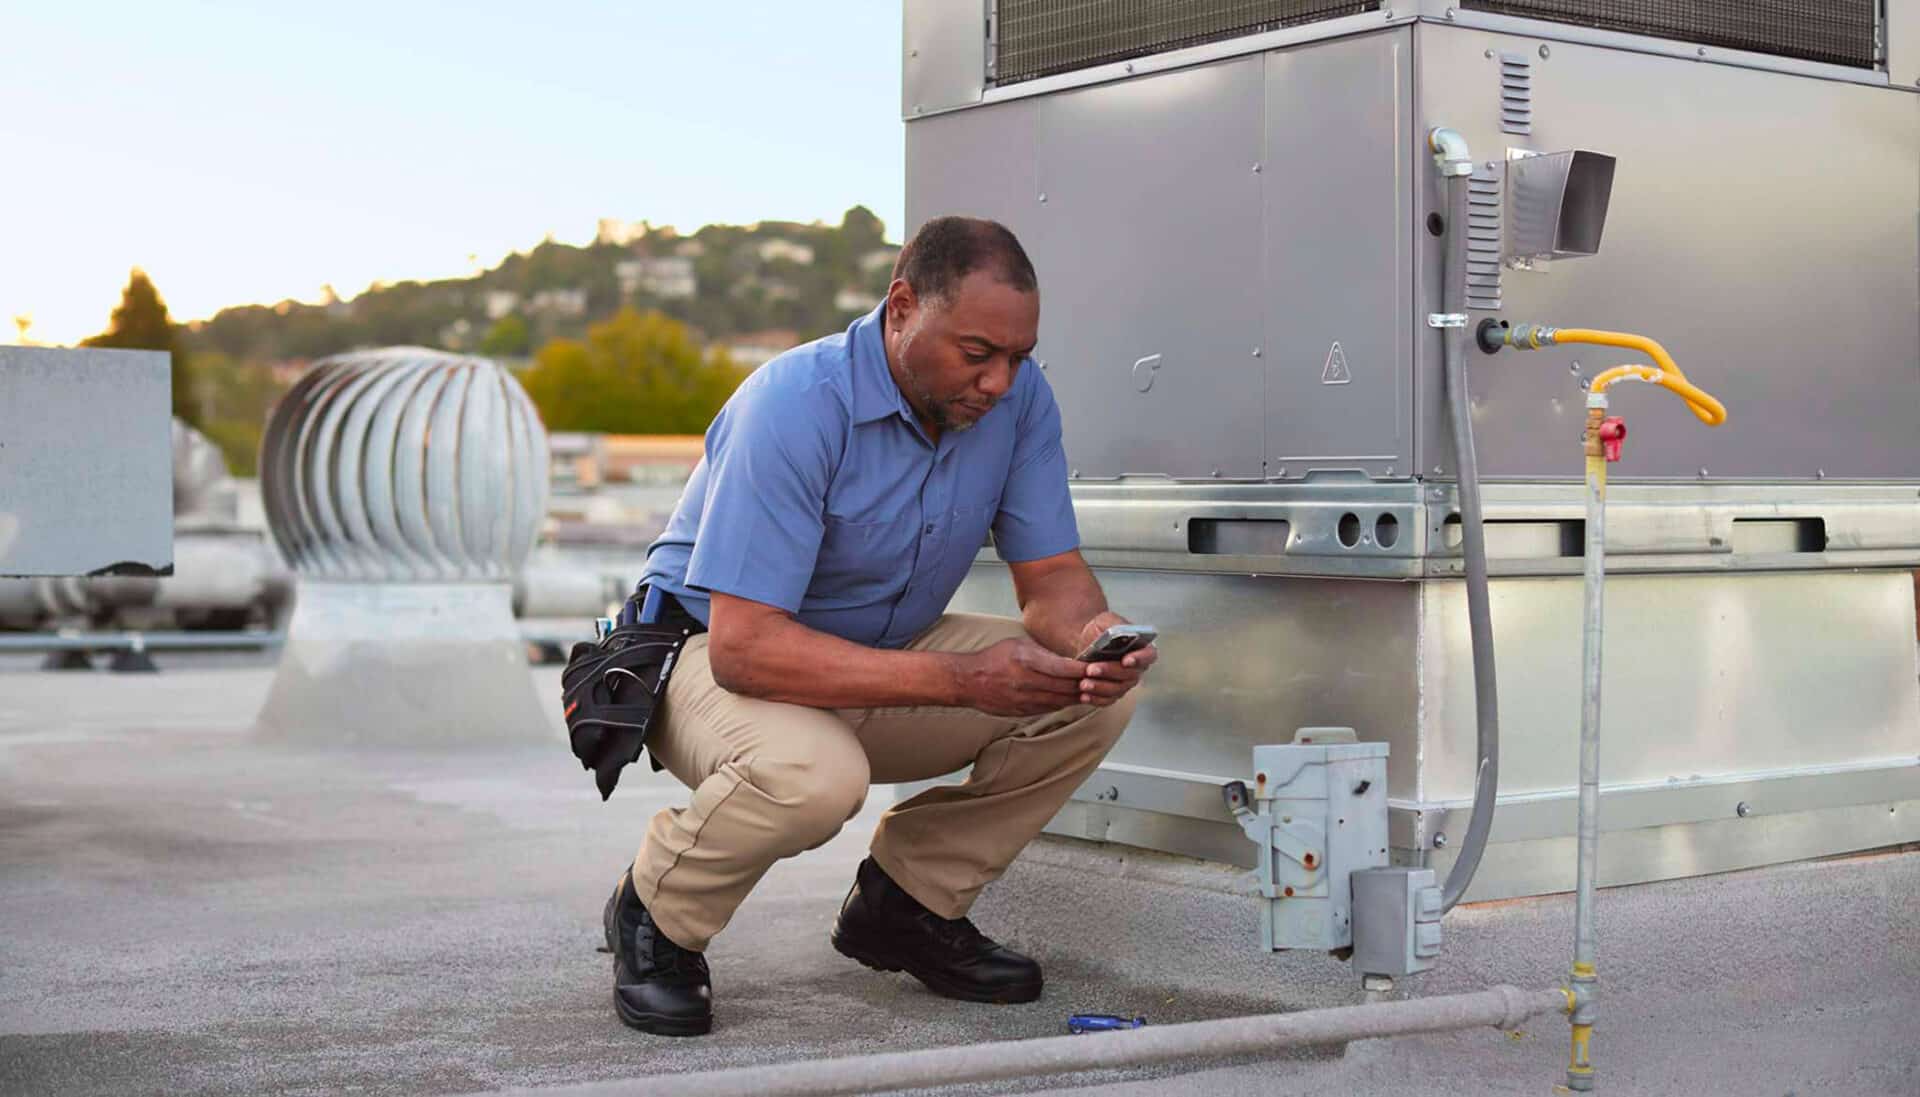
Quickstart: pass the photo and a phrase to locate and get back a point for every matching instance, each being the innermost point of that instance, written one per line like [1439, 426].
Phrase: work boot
[658, 986]
[886, 929]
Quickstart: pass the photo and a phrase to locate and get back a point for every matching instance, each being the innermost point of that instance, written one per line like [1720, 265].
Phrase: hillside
[752, 286]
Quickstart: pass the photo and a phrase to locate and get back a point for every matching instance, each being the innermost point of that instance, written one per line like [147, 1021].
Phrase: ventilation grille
[1035, 38]
[1516, 94]
[1483, 238]
[1838, 32]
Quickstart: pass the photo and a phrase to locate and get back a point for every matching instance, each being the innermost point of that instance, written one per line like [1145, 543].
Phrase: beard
[949, 414]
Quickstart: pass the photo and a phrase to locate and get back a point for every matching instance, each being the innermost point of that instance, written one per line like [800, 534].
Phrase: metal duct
[1043, 37]
[1838, 32]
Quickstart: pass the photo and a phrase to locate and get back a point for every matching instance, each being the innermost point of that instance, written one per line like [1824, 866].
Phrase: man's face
[957, 357]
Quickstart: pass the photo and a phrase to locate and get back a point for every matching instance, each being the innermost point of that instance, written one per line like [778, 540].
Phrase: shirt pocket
[862, 562]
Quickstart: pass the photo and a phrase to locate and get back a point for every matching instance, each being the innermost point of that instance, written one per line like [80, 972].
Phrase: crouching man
[845, 490]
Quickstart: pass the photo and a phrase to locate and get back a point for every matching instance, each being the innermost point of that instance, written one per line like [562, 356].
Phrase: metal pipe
[1456, 163]
[1585, 944]
[1501, 1006]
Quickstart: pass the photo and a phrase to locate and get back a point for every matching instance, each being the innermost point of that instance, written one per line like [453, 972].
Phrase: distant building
[778, 248]
[855, 300]
[879, 259]
[500, 302]
[612, 230]
[755, 348]
[669, 277]
[558, 302]
[692, 249]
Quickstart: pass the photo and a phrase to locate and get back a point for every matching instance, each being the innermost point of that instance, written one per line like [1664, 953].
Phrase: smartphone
[1117, 641]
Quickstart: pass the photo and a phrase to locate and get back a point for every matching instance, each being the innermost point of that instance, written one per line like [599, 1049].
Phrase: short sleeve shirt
[820, 494]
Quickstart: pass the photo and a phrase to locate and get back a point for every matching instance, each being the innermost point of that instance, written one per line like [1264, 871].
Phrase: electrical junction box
[1396, 921]
[1318, 811]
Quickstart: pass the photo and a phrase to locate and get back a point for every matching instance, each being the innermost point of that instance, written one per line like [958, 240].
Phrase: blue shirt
[820, 494]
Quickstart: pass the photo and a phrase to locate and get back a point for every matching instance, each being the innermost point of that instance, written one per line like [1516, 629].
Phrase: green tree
[141, 323]
[638, 373]
[233, 399]
[507, 338]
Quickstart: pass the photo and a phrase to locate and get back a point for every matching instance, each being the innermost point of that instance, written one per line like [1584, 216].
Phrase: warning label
[1335, 372]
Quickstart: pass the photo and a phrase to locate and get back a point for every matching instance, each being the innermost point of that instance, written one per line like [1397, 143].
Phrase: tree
[141, 323]
[638, 373]
[507, 338]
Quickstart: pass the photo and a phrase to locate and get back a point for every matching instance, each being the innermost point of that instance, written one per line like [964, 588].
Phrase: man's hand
[1105, 683]
[1018, 677]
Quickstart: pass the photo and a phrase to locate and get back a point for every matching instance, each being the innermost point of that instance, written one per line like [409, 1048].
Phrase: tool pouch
[613, 688]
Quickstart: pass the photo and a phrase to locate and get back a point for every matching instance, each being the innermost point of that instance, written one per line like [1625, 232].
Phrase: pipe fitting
[1450, 151]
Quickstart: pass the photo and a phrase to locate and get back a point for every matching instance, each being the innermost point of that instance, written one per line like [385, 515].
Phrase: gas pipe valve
[1613, 435]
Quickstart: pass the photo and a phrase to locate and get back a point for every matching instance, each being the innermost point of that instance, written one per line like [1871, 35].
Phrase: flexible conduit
[1452, 149]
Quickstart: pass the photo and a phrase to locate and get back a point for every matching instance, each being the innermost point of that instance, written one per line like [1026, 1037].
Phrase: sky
[247, 152]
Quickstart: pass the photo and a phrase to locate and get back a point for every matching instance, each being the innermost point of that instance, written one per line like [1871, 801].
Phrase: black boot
[658, 986]
[886, 929]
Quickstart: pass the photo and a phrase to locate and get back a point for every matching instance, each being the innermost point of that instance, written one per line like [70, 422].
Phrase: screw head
[1545, 52]
[1703, 472]
[1488, 55]
[1449, 15]
[1701, 52]
[1043, 196]
[1256, 352]
[1743, 809]
[1819, 474]
[1440, 840]
[1256, 169]
[1129, 66]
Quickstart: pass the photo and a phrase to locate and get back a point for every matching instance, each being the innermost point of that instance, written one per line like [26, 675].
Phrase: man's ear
[902, 304]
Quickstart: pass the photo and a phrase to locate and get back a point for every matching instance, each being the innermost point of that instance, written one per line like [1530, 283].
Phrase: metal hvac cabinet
[1229, 207]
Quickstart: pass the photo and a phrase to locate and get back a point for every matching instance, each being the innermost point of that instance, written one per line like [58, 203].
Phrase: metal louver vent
[1483, 238]
[1034, 38]
[1516, 94]
[1838, 32]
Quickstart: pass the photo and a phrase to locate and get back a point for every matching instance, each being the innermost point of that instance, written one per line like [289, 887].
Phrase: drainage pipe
[1456, 165]
[1501, 1006]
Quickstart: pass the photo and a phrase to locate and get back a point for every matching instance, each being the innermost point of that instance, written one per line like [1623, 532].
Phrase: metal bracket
[1446, 319]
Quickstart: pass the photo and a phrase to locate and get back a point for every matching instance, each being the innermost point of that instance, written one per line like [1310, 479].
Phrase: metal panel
[1903, 43]
[982, 163]
[86, 462]
[943, 61]
[1706, 676]
[1045, 37]
[1246, 661]
[1143, 232]
[1338, 222]
[1839, 32]
[1785, 276]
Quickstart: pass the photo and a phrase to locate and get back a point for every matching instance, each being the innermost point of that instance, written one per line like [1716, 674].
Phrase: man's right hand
[1018, 677]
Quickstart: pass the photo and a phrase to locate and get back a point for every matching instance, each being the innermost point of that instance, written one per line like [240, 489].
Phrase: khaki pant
[770, 780]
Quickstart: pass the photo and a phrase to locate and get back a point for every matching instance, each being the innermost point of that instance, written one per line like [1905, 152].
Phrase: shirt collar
[875, 395]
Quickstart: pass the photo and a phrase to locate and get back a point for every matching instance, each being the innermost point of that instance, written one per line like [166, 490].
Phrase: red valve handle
[1613, 435]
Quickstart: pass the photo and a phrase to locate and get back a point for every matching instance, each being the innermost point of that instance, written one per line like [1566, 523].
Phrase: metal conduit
[1500, 1006]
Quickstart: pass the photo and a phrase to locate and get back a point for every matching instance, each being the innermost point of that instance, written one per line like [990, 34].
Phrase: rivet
[1820, 474]
[1256, 169]
[1129, 66]
[913, 53]
[1256, 352]
[1389, 470]
[1701, 52]
[1449, 15]
[1075, 473]
[1216, 474]
[1283, 470]
[1488, 55]
[1703, 472]
[1545, 52]
[1043, 196]
[1287, 891]
[1440, 839]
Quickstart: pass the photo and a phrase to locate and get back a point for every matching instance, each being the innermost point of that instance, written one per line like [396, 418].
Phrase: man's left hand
[1107, 682]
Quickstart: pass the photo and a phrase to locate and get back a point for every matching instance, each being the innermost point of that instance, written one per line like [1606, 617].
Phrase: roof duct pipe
[1455, 161]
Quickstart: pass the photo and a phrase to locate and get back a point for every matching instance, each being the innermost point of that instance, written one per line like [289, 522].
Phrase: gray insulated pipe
[1456, 163]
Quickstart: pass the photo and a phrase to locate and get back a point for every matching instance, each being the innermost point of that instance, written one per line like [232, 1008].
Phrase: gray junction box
[1233, 217]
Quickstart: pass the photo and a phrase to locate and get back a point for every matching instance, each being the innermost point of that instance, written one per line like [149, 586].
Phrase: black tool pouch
[612, 689]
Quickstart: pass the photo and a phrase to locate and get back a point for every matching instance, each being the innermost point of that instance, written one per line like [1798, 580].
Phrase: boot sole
[878, 960]
[660, 1025]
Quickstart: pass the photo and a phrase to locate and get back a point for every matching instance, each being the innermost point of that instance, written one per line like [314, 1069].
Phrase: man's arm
[1063, 607]
[759, 650]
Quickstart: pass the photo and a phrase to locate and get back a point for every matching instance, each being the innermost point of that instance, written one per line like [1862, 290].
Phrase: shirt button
[929, 531]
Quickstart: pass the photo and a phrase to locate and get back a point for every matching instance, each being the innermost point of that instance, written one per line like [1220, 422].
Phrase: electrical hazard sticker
[1335, 372]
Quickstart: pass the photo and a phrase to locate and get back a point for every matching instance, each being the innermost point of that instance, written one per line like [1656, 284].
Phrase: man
[845, 490]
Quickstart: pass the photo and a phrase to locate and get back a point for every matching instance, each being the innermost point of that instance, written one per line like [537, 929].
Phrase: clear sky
[250, 152]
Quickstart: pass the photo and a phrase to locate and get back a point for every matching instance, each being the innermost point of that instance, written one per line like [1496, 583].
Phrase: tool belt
[612, 688]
